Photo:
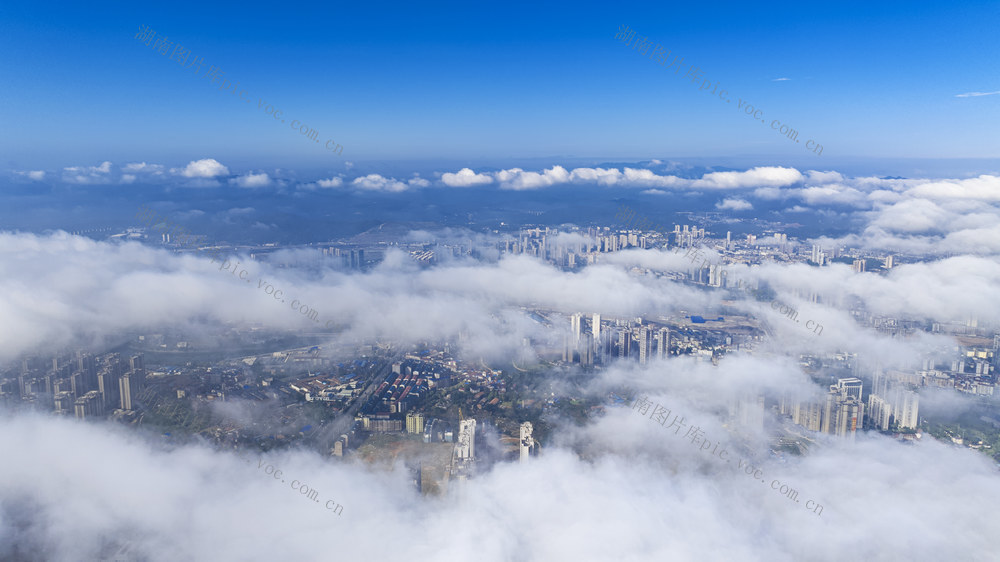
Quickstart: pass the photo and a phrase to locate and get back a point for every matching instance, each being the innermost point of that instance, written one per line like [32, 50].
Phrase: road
[342, 424]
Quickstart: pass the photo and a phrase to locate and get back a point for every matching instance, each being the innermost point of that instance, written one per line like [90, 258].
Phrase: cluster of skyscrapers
[893, 402]
[892, 405]
[592, 342]
[841, 413]
[82, 385]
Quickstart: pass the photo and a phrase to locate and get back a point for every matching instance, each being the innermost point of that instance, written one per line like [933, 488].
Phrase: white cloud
[85, 175]
[252, 180]
[205, 168]
[517, 179]
[600, 176]
[770, 193]
[376, 182]
[465, 178]
[38, 175]
[813, 176]
[646, 178]
[833, 193]
[985, 187]
[614, 476]
[767, 176]
[732, 204]
[915, 215]
[977, 94]
[142, 167]
[332, 182]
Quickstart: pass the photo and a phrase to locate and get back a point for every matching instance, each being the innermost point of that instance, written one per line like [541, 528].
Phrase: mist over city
[499, 282]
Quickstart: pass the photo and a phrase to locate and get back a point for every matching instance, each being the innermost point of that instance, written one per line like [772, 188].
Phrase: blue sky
[392, 81]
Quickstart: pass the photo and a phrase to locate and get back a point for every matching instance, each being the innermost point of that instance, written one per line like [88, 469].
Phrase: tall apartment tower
[415, 423]
[624, 343]
[527, 442]
[64, 402]
[90, 405]
[465, 449]
[844, 410]
[892, 402]
[87, 364]
[109, 387]
[136, 363]
[808, 414]
[645, 345]
[749, 411]
[662, 343]
[129, 387]
[595, 332]
[575, 330]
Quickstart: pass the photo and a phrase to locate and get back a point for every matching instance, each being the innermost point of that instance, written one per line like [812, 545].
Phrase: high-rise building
[844, 410]
[136, 363]
[596, 341]
[465, 449]
[90, 405]
[357, 259]
[87, 364]
[893, 402]
[64, 402]
[78, 384]
[340, 446]
[586, 349]
[575, 327]
[108, 386]
[645, 345]
[662, 343]
[852, 386]
[415, 423]
[858, 266]
[749, 411]
[624, 343]
[808, 414]
[129, 387]
[527, 442]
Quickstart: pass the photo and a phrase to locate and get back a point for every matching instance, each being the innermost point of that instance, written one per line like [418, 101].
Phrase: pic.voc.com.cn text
[185, 240]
